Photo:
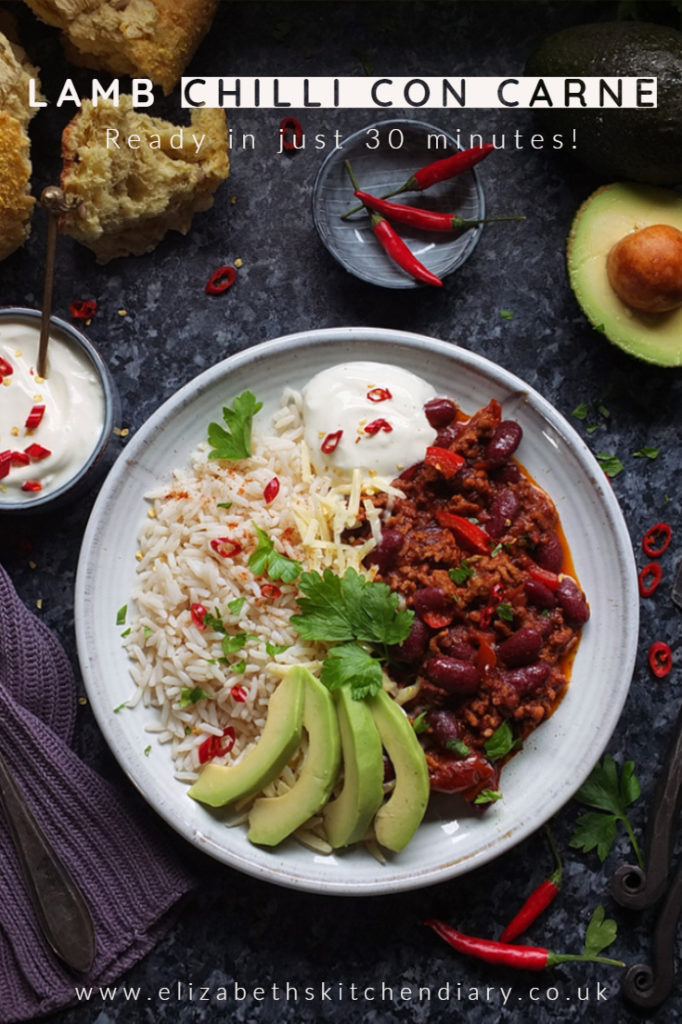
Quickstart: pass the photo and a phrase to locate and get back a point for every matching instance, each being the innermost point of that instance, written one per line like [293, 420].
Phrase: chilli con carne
[478, 555]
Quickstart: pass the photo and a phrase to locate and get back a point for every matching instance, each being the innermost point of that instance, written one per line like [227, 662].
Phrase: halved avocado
[273, 818]
[221, 784]
[348, 817]
[606, 217]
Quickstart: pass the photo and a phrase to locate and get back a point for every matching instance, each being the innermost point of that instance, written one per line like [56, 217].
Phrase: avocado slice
[222, 784]
[398, 819]
[603, 219]
[635, 144]
[349, 816]
[274, 818]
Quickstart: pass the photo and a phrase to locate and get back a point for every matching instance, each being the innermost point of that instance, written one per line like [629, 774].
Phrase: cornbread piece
[128, 198]
[15, 74]
[149, 38]
[16, 201]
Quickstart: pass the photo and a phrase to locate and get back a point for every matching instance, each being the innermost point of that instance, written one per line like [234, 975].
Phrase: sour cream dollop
[367, 416]
[72, 421]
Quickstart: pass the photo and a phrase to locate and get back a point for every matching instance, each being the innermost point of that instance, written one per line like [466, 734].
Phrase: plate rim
[281, 874]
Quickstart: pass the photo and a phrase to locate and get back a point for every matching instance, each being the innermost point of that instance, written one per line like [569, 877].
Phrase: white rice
[170, 655]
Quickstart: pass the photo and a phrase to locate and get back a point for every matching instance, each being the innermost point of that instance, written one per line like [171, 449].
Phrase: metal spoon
[59, 904]
[55, 202]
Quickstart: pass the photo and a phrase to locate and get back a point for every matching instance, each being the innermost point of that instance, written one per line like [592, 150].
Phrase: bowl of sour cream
[55, 429]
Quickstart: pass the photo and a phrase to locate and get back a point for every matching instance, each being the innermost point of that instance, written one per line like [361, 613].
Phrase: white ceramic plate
[557, 757]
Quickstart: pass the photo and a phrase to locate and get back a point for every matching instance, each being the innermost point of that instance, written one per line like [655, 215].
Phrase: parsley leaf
[507, 314]
[601, 932]
[461, 573]
[611, 464]
[580, 411]
[235, 442]
[488, 796]
[501, 742]
[607, 793]
[231, 644]
[274, 649]
[350, 663]
[505, 611]
[212, 620]
[190, 695]
[646, 453]
[266, 560]
[420, 724]
[458, 747]
[235, 606]
[121, 615]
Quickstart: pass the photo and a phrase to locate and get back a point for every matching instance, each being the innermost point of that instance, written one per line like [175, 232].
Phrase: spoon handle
[59, 904]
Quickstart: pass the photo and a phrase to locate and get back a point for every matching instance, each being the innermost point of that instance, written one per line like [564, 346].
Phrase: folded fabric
[121, 861]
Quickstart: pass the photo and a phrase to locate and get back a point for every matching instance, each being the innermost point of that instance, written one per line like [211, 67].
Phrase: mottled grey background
[237, 929]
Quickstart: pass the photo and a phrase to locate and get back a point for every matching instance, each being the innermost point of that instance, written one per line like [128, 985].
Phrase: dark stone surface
[237, 930]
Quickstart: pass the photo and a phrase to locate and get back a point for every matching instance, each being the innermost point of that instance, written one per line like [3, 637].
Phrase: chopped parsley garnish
[121, 615]
[496, 550]
[224, 504]
[507, 314]
[488, 796]
[458, 747]
[190, 695]
[232, 644]
[235, 442]
[148, 631]
[580, 411]
[126, 632]
[120, 707]
[461, 573]
[611, 797]
[505, 612]
[646, 453]
[611, 464]
[236, 606]
[266, 560]
[360, 616]
[419, 724]
[274, 649]
[501, 742]
[213, 620]
[239, 667]
[148, 750]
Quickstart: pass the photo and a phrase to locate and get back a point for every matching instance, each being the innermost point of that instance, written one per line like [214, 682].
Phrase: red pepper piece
[426, 220]
[379, 394]
[5, 368]
[220, 280]
[376, 425]
[660, 659]
[226, 547]
[538, 900]
[271, 490]
[649, 577]
[550, 579]
[525, 958]
[486, 658]
[198, 615]
[446, 462]
[437, 620]
[35, 416]
[467, 533]
[656, 540]
[19, 459]
[270, 591]
[5, 458]
[36, 452]
[239, 693]
[83, 309]
[331, 442]
[291, 132]
[32, 485]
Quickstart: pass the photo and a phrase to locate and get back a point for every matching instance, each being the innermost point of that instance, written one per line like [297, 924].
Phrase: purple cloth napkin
[118, 857]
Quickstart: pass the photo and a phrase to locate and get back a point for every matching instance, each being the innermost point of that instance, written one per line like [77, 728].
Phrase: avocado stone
[603, 219]
[221, 784]
[398, 819]
[348, 817]
[636, 144]
[273, 818]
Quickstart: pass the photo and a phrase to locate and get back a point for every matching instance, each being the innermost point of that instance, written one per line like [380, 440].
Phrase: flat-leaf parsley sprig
[235, 442]
[362, 618]
[611, 796]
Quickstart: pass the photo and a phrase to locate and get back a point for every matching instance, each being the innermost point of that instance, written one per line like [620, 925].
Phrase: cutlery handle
[59, 905]
[648, 986]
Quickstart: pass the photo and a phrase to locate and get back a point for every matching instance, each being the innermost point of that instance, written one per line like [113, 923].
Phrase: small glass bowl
[383, 156]
[89, 470]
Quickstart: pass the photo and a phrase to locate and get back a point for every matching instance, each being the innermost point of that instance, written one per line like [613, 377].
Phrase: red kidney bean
[572, 602]
[504, 442]
[539, 594]
[455, 775]
[414, 645]
[451, 674]
[456, 645]
[444, 726]
[503, 510]
[386, 551]
[521, 647]
[446, 436]
[528, 679]
[507, 474]
[440, 412]
[431, 599]
[549, 553]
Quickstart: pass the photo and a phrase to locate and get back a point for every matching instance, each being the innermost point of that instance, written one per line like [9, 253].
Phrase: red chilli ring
[660, 659]
[291, 133]
[220, 280]
[649, 577]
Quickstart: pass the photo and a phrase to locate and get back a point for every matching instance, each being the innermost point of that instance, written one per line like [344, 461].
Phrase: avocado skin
[638, 145]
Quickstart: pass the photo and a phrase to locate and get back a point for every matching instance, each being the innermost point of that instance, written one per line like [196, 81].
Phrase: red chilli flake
[331, 442]
[83, 309]
[35, 416]
[198, 615]
[379, 395]
[271, 490]
[270, 591]
[656, 540]
[376, 425]
[19, 459]
[5, 458]
[220, 280]
[36, 452]
[32, 485]
[660, 659]
[649, 577]
[239, 694]
[291, 133]
[226, 547]
[211, 746]
[5, 368]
